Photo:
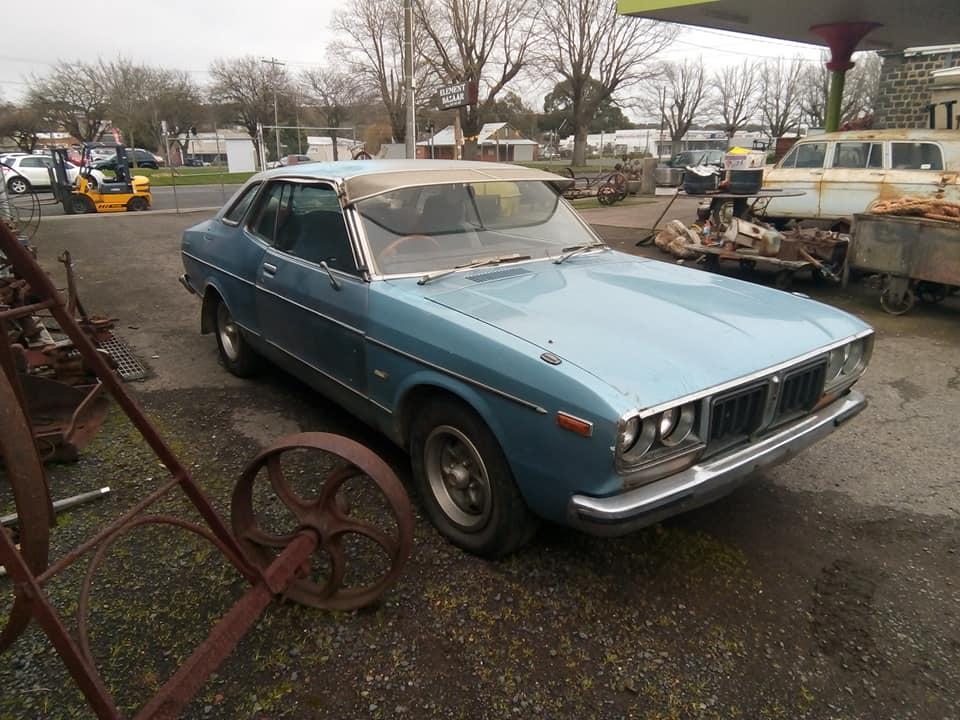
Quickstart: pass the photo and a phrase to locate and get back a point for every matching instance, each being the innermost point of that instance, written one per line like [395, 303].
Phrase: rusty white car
[846, 172]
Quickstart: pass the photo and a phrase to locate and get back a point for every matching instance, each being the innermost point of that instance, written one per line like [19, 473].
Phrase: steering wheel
[391, 249]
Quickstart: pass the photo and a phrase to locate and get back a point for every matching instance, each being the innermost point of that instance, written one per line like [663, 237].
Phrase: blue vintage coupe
[467, 311]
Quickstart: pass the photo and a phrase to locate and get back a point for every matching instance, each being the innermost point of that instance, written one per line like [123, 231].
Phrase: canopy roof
[903, 24]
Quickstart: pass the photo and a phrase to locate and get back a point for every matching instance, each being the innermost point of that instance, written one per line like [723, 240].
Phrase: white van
[844, 173]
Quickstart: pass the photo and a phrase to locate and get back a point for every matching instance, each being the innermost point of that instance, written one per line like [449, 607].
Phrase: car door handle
[269, 269]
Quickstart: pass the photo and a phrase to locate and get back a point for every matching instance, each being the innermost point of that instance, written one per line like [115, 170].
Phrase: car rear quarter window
[235, 214]
[916, 156]
[858, 155]
[265, 218]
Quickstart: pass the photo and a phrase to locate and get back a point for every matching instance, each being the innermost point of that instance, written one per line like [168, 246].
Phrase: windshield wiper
[482, 262]
[577, 249]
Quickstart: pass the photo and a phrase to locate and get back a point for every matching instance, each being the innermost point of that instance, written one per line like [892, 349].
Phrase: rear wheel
[235, 352]
[136, 204]
[465, 482]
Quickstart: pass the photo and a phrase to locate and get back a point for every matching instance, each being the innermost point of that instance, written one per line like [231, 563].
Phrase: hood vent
[497, 274]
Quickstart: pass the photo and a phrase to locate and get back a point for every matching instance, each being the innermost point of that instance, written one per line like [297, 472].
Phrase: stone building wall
[905, 87]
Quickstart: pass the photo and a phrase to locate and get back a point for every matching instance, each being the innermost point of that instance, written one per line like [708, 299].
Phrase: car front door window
[314, 228]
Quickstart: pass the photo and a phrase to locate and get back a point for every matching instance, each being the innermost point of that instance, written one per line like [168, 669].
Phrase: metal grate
[128, 367]
[498, 274]
[737, 414]
[800, 391]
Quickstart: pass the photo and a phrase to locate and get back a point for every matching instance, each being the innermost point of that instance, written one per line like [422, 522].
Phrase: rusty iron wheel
[327, 516]
[24, 472]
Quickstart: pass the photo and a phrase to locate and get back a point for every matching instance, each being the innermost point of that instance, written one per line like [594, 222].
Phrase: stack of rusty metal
[60, 390]
[930, 208]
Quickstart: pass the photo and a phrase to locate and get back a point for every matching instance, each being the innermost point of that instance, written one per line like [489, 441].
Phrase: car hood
[651, 330]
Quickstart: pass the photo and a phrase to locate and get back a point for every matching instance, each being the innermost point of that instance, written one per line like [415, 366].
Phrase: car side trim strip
[319, 314]
[218, 268]
[463, 378]
[330, 377]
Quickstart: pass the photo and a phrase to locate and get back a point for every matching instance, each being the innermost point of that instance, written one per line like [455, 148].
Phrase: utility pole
[411, 132]
[276, 123]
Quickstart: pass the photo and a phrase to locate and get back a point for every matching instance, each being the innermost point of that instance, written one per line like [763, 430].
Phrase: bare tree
[22, 124]
[481, 42]
[73, 97]
[335, 93]
[370, 40]
[735, 95]
[246, 87]
[597, 54]
[780, 95]
[859, 90]
[140, 97]
[678, 95]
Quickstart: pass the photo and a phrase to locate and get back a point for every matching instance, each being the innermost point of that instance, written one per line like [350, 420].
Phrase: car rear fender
[212, 294]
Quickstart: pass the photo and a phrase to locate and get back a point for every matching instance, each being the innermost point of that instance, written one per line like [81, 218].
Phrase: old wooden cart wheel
[606, 195]
[618, 181]
[327, 515]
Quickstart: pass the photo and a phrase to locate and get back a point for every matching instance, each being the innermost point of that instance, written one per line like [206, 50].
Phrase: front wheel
[235, 352]
[81, 204]
[18, 186]
[465, 482]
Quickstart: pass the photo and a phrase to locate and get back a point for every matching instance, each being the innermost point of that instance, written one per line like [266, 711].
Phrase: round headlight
[681, 425]
[629, 433]
[644, 432]
[668, 421]
[854, 357]
[835, 362]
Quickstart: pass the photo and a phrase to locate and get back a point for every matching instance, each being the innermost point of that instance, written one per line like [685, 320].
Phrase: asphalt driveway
[827, 588]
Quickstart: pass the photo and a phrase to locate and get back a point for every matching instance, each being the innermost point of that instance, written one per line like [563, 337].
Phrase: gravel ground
[829, 588]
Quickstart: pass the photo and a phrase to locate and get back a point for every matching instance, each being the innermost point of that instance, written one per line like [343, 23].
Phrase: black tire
[81, 204]
[500, 522]
[18, 186]
[236, 355]
[137, 204]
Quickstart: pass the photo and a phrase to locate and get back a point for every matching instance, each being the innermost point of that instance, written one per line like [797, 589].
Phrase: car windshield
[440, 227]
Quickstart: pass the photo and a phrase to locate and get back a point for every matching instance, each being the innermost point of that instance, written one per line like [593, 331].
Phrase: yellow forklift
[92, 191]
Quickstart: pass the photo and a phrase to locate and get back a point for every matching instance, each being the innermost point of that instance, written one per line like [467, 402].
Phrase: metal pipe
[62, 504]
[411, 131]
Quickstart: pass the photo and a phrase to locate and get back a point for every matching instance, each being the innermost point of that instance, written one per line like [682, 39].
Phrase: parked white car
[24, 173]
[844, 173]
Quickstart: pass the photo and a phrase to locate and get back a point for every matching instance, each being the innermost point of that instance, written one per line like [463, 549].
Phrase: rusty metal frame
[322, 523]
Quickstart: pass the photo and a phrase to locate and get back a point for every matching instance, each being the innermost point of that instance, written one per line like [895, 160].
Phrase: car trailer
[917, 257]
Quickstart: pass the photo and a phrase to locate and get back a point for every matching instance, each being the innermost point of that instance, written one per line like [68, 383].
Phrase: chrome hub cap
[458, 478]
[229, 333]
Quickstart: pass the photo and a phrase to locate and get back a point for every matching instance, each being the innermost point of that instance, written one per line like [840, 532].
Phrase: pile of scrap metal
[930, 208]
[61, 391]
[751, 243]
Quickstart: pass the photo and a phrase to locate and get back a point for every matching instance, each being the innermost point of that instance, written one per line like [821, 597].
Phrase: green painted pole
[835, 99]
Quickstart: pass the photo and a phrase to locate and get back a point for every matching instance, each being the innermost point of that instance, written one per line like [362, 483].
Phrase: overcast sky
[189, 35]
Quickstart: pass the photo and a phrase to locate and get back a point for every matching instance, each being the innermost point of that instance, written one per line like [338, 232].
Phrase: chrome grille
[800, 391]
[737, 414]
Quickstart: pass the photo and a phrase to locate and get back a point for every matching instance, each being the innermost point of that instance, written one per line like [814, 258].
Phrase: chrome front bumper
[708, 481]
